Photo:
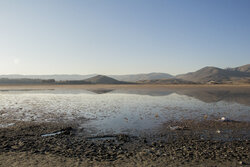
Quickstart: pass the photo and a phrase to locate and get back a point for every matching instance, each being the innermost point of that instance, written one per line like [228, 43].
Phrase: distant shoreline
[104, 86]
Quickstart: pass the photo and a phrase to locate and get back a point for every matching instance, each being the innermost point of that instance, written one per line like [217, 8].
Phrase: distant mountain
[214, 74]
[166, 81]
[245, 68]
[101, 79]
[138, 77]
[205, 75]
[24, 81]
[62, 77]
[59, 77]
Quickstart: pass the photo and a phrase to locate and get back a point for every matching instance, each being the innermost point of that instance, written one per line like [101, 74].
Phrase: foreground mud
[191, 144]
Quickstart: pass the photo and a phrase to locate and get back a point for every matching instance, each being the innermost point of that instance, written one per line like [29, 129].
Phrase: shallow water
[124, 110]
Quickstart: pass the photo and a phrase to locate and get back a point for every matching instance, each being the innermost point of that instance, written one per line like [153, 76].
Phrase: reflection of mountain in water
[101, 91]
[208, 95]
[144, 92]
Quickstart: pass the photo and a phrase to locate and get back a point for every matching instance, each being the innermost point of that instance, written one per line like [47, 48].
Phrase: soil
[190, 144]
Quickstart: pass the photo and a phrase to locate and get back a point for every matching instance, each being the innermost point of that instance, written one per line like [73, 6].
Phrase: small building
[212, 82]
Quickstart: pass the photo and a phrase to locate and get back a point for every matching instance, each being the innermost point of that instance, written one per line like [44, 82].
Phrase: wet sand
[56, 144]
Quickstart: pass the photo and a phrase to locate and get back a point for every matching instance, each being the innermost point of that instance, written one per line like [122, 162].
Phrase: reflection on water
[205, 95]
[211, 96]
[123, 110]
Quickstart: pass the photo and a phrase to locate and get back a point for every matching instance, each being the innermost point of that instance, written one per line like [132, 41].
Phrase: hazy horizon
[122, 37]
[118, 74]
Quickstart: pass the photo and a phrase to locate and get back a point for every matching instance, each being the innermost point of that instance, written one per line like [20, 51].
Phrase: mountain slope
[165, 81]
[101, 79]
[245, 68]
[138, 77]
[236, 75]
[208, 74]
[64, 77]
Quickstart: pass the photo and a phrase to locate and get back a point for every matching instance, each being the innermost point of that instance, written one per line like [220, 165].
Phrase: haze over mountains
[205, 75]
[138, 77]
[62, 77]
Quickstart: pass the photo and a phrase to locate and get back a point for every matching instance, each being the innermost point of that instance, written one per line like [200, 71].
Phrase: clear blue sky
[122, 36]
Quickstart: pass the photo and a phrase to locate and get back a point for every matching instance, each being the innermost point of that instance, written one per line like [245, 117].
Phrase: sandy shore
[55, 144]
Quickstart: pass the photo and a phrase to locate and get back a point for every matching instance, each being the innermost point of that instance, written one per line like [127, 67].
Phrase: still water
[121, 110]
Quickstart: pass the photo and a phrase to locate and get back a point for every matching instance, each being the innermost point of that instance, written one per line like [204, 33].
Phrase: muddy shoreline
[58, 144]
[120, 86]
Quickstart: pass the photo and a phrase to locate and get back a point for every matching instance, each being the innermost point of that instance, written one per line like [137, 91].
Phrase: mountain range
[214, 74]
[62, 77]
[205, 75]
[139, 77]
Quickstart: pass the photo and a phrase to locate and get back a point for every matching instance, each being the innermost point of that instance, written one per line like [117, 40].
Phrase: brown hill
[214, 74]
[245, 68]
[101, 79]
[165, 81]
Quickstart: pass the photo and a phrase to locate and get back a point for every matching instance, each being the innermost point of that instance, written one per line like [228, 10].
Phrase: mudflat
[56, 144]
[203, 142]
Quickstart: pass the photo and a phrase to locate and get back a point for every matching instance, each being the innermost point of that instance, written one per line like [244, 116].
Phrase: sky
[122, 36]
